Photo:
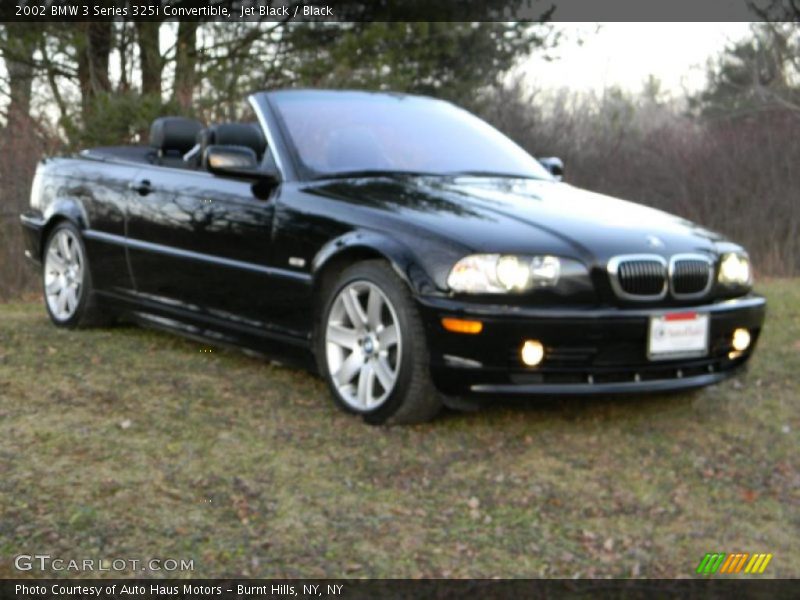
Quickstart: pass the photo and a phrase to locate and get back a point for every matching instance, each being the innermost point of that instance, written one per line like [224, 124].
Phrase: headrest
[174, 133]
[239, 134]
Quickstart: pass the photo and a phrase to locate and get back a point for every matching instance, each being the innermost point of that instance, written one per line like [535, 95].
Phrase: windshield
[356, 132]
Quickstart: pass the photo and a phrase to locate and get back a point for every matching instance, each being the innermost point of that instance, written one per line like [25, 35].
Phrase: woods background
[727, 156]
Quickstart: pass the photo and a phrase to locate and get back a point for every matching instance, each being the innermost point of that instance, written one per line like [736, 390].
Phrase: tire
[67, 280]
[390, 381]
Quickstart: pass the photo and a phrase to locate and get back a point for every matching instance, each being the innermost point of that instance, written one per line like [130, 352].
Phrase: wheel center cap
[370, 345]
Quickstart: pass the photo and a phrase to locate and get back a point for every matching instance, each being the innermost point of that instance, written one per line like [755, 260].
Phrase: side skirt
[275, 347]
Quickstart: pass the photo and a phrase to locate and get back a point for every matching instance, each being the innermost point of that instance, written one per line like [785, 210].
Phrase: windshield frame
[305, 173]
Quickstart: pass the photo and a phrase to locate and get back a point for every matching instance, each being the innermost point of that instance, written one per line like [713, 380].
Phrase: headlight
[502, 273]
[734, 269]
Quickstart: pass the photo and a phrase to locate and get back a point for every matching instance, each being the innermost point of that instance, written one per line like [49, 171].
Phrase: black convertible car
[403, 247]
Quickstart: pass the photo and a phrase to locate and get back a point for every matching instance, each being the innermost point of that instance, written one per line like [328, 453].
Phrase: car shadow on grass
[679, 404]
[573, 408]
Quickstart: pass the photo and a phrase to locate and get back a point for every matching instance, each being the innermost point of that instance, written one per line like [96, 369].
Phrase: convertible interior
[180, 143]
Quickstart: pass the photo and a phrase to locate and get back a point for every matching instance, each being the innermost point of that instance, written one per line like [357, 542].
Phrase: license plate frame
[675, 335]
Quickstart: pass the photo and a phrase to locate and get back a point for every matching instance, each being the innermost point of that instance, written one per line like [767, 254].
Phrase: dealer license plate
[677, 335]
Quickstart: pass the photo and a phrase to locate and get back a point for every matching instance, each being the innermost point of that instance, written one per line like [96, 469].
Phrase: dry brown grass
[249, 470]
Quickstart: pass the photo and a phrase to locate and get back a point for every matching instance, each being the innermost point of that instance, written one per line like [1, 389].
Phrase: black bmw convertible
[399, 245]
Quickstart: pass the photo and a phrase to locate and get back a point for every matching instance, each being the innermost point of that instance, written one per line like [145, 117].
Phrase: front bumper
[587, 351]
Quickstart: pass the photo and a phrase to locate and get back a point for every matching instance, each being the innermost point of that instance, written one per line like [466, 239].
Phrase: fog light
[462, 325]
[741, 340]
[532, 353]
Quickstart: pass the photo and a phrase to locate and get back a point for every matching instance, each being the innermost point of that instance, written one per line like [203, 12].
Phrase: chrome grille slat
[649, 277]
[639, 277]
[691, 275]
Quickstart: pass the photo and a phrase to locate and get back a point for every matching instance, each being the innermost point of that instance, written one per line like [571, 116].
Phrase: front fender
[365, 243]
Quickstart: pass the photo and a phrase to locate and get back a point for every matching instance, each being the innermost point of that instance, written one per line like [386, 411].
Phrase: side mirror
[236, 161]
[555, 165]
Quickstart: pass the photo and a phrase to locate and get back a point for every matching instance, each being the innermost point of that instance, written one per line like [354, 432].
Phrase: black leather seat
[172, 137]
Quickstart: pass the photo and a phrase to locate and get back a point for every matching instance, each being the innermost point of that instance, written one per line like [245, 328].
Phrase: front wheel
[371, 347]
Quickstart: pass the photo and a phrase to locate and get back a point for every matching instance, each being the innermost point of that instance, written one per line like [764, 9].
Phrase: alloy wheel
[63, 274]
[363, 345]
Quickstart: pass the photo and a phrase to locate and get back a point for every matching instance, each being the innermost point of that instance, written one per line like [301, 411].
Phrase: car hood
[522, 216]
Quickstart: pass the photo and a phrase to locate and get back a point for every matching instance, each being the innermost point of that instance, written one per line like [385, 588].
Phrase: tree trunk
[20, 80]
[21, 147]
[185, 64]
[149, 56]
[123, 48]
[21, 41]
[94, 48]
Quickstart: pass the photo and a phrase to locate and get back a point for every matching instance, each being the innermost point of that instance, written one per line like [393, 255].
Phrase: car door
[202, 243]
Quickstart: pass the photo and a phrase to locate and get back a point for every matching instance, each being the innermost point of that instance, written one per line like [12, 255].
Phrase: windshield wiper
[375, 173]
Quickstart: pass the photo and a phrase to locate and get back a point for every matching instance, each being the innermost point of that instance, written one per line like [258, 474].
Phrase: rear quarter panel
[93, 196]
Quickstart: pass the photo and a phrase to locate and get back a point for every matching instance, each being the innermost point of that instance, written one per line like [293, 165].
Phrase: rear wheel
[371, 347]
[67, 280]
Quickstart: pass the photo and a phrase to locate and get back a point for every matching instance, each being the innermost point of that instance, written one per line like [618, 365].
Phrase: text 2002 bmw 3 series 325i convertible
[403, 247]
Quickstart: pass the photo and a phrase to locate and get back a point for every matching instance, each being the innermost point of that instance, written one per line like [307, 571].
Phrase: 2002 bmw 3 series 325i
[403, 247]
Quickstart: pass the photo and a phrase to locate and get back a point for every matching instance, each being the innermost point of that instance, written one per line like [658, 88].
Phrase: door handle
[142, 187]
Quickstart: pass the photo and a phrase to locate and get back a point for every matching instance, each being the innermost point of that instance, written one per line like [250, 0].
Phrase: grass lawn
[128, 443]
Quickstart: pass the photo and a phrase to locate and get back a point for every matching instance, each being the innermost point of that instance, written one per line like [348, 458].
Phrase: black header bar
[399, 10]
[348, 589]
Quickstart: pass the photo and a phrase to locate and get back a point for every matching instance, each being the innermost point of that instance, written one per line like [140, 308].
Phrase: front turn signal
[462, 325]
